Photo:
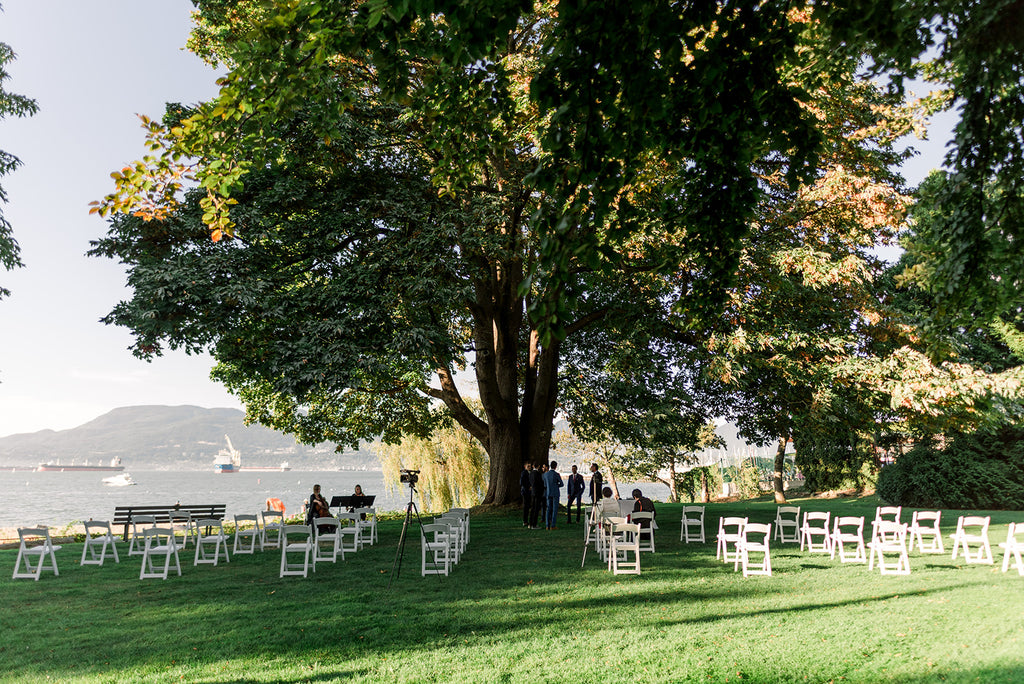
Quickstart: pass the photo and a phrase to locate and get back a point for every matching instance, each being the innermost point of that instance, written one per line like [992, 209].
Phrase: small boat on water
[120, 480]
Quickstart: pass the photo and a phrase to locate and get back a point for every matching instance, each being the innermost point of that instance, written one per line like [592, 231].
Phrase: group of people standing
[540, 485]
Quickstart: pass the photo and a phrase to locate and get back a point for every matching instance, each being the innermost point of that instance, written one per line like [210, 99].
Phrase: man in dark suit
[595, 484]
[536, 493]
[575, 491]
[526, 488]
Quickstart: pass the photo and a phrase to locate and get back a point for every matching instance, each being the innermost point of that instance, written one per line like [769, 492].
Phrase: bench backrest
[123, 514]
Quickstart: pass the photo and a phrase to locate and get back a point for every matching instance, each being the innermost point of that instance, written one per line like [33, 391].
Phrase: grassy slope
[519, 608]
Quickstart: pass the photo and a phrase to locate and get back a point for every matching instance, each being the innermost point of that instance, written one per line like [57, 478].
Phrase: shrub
[983, 469]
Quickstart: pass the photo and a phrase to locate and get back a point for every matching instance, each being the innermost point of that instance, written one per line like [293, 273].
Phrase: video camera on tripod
[409, 476]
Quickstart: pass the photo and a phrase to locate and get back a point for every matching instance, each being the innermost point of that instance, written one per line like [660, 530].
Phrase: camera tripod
[410, 508]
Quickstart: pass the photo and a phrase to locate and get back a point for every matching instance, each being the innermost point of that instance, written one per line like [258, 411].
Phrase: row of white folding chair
[34, 544]
[443, 541]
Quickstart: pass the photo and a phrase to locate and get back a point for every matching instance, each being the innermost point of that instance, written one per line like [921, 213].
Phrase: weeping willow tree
[453, 468]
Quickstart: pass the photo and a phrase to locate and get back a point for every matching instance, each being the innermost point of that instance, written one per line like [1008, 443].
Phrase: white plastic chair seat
[624, 539]
[327, 545]
[98, 534]
[973, 530]
[848, 531]
[787, 524]
[435, 550]
[159, 542]
[210, 542]
[692, 524]
[815, 532]
[924, 531]
[270, 531]
[889, 538]
[297, 540]
[35, 549]
[1013, 547]
[754, 539]
[730, 531]
[248, 534]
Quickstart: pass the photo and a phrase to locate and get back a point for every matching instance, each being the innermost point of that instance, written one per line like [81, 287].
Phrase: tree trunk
[705, 495]
[780, 466]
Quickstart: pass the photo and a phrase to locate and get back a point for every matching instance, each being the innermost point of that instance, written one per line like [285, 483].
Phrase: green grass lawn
[519, 608]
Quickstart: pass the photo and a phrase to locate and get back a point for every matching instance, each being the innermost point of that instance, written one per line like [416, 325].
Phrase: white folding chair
[847, 531]
[592, 530]
[210, 541]
[327, 543]
[34, 543]
[816, 527]
[754, 539]
[270, 531]
[924, 530]
[646, 531]
[730, 531]
[453, 536]
[1013, 547]
[297, 540]
[887, 538]
[159, 542]
[140, 523]
[464, 512]
[349, 529]
[248, 534]
[608, 523]
[367, 525]
[183, 527]
[787, 524]
[972, 529]
[890, 513]
[98, 534]
[692, 525]
[624, 540]
[434, 544]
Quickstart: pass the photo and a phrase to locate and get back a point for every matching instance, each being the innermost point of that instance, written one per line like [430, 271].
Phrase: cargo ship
[230, 461]
[115, 466]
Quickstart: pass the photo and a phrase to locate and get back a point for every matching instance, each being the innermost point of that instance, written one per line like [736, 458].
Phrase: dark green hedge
[983, 469]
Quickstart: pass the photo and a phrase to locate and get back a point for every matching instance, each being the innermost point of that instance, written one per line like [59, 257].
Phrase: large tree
[398, 190]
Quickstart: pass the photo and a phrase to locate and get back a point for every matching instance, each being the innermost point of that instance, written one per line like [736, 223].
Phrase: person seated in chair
[643, 504]
[352, 509]
[608, 505]
[317, 507]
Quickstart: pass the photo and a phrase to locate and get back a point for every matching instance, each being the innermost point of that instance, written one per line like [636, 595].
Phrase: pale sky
[92, 66]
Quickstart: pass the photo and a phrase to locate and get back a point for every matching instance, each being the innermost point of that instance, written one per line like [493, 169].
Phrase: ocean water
[56, 499]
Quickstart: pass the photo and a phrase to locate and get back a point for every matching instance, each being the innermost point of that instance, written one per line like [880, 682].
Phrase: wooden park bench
[123, 514]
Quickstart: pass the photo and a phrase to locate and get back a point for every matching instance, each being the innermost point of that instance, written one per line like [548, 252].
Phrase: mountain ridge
[180, 437]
